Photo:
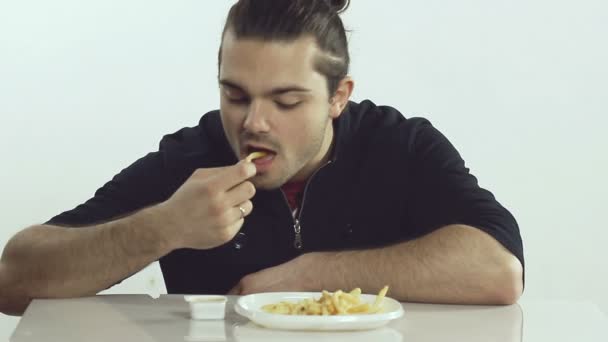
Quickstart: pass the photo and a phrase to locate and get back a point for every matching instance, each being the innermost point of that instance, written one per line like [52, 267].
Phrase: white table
[142, 318]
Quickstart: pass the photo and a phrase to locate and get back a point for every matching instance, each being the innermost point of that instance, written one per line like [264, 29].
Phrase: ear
[341, 97]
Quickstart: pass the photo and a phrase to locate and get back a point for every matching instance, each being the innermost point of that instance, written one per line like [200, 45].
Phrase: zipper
[297, 226]
[297, 242]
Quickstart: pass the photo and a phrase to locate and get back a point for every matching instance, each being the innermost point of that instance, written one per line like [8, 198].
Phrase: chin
[262, 182]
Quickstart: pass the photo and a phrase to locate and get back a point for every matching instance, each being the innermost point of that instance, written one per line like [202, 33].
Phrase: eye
[287, 106]
[239, 101]
[235, 96]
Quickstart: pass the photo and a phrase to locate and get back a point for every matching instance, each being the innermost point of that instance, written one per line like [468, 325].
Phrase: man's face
[273, 100]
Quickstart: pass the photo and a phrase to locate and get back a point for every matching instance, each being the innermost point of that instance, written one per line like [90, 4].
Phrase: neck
[320, 159]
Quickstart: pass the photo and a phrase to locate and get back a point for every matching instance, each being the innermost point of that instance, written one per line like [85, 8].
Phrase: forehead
[260, 65]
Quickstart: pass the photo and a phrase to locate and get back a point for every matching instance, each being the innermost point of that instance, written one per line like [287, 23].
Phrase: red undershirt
[294, 191]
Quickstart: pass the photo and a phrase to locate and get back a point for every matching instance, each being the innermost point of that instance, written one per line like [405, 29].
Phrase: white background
[519, 87]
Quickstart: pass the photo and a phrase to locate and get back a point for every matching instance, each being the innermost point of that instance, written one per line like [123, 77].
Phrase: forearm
[454, 264]
[51, 262]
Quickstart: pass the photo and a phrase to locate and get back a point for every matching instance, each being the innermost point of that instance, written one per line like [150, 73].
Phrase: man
[345, 195]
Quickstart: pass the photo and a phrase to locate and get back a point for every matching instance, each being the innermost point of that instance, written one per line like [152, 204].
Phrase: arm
[50, 261]
[54, 262]
[454, 264]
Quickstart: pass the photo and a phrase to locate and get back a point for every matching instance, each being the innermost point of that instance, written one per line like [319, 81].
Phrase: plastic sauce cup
[207, 306]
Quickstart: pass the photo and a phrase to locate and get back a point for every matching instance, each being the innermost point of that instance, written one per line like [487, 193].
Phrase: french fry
[379, 298]
[359, 309]
[350, 298]
[255, 155]
[335, 300]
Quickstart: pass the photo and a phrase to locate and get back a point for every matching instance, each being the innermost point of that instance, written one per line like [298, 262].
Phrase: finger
[235, 227]
[232, 176]
[247, 207]
[209, 172]
[240, 193]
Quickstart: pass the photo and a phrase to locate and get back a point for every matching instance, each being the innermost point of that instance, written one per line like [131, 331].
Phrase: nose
[256, 120]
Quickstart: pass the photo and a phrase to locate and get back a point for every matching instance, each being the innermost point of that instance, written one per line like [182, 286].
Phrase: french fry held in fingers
[337, 303]
[255, 155]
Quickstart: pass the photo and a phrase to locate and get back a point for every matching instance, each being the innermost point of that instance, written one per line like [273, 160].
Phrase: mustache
[259, 139]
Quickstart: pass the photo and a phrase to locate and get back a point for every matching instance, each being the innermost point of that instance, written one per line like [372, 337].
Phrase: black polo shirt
[390, 179]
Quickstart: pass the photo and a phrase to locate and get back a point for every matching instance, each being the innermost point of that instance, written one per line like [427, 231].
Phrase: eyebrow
[272, 92]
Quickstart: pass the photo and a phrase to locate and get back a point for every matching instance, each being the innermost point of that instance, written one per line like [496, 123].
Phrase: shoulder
[204, 142]
[195, 139]
[385, 124]
[191, 148]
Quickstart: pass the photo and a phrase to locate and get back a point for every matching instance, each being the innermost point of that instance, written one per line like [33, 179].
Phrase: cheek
[231, 119]
[302, 128]
[231, 123]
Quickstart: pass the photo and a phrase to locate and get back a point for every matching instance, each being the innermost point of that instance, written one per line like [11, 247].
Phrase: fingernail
[251, 169]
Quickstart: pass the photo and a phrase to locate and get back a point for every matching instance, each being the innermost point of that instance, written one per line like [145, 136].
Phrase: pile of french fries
[337, 303]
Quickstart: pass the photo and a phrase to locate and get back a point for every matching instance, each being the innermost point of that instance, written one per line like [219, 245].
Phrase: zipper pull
[297, 242]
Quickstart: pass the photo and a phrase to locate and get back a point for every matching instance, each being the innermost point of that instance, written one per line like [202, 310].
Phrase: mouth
[262, 156]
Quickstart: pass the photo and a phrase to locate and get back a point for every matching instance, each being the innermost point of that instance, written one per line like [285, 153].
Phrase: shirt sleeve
[141, 184]
[444, 192]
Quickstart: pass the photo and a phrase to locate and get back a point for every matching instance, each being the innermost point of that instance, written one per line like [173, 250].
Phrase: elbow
[12, 302]
[509, 286]
[14, 306]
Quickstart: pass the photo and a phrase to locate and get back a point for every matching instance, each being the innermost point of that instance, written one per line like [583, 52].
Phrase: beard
[294, 163]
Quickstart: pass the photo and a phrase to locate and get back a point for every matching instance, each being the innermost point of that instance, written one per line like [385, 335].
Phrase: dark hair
[288, 20]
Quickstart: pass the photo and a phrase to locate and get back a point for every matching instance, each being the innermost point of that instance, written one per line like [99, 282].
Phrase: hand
[204, 212]
[294, 275]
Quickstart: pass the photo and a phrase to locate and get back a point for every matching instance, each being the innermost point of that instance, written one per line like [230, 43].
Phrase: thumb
[236, 290]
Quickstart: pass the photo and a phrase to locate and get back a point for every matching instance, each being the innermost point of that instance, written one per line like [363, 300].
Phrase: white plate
[251, 332]
[251, 307]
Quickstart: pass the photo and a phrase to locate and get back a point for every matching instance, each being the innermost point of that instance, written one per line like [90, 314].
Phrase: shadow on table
[471, 323]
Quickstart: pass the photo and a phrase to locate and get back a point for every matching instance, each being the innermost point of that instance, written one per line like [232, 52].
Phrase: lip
[264, 164]
[252, 147]
[247, 149]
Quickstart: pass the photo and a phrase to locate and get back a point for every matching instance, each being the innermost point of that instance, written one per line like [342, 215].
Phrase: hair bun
[339, 5]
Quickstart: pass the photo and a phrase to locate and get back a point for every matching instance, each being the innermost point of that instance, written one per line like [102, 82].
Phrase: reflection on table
[141, 318]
